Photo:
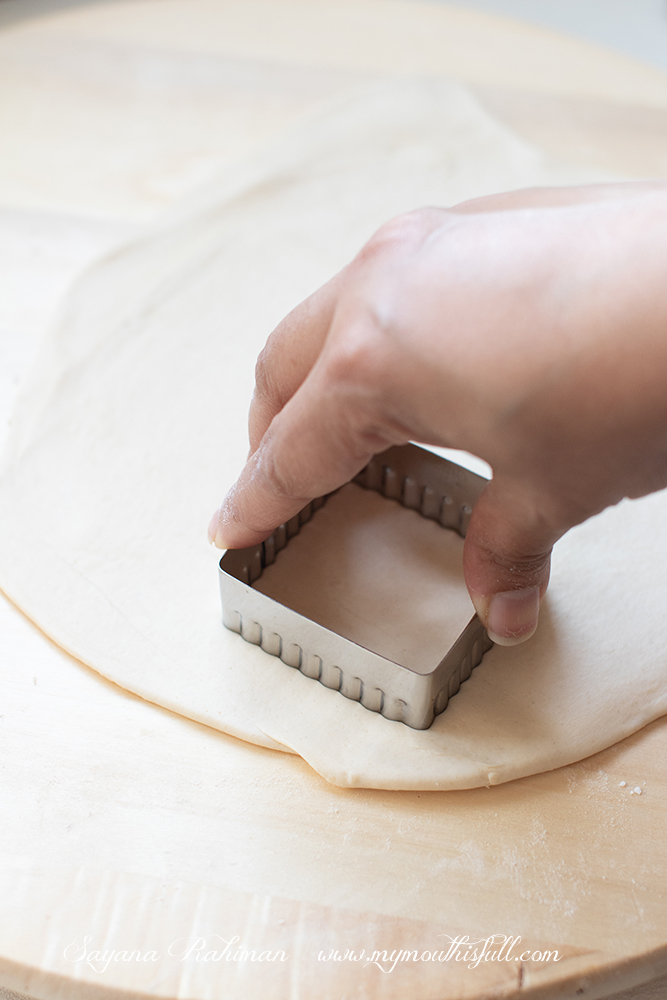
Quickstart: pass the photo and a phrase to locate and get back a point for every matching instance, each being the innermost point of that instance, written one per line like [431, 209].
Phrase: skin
[528, 328]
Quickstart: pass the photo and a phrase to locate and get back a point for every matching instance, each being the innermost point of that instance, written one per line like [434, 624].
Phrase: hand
[528, 328]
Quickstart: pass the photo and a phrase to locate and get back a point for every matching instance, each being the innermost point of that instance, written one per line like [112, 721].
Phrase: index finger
[288, 356]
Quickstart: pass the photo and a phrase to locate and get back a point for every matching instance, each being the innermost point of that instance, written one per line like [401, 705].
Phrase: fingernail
[512, 615]
[213, 527]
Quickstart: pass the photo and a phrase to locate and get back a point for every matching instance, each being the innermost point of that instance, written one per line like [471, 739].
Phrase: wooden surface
[148, 98]
[128, 829]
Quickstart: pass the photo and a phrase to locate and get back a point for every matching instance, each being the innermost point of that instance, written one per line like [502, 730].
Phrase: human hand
[528, 328]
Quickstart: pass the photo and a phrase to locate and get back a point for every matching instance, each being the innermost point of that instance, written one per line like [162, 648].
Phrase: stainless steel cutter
[439, 490]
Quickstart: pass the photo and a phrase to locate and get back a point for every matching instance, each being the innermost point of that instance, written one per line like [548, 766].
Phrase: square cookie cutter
[436, 488]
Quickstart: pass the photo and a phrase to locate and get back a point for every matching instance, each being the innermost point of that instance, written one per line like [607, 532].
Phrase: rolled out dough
[132, 425]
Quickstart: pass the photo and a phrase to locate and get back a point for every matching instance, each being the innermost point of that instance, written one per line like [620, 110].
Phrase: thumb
[506, 559]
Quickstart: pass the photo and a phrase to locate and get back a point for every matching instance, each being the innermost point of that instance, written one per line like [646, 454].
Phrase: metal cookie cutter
[420, 480]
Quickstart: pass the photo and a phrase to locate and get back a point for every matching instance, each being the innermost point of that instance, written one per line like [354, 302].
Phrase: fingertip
[226, 532]
[511, 640]
[510, 616]
[227, 529]
[213, 529]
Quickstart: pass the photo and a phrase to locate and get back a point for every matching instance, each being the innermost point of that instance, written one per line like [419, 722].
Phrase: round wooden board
[133, 832]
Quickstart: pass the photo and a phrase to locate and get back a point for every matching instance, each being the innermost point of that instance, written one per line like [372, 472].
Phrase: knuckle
[262, 368]
[360, 355]
[517, 566]
[265, 384]
[353, 357]
[522, 566]
[278, 483]
[506, 570]
[362, 375]
[402, 233]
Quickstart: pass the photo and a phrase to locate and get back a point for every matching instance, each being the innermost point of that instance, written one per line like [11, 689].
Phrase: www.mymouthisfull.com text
[215, 948]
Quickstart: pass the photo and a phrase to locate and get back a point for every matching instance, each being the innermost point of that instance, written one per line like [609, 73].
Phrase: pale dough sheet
[132, 426]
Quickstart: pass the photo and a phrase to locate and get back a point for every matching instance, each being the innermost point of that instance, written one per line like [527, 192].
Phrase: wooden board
[129, 830]
[148, 98]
